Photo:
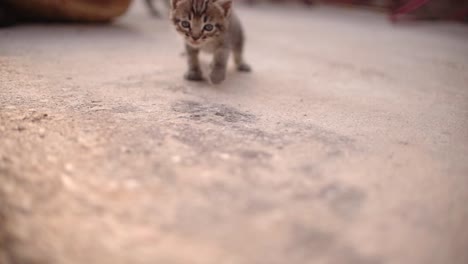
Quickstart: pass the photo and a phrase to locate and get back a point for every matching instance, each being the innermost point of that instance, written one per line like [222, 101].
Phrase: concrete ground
[346, 145]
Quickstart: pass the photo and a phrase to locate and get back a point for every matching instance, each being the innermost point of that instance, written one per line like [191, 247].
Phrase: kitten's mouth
[195, 42]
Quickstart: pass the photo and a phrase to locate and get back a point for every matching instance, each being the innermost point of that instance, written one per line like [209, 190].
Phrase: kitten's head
[200, 21]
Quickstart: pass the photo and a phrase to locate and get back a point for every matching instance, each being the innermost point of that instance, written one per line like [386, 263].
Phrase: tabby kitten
[211, 26]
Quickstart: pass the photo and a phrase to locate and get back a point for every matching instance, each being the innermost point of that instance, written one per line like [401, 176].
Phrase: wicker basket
[68, 10]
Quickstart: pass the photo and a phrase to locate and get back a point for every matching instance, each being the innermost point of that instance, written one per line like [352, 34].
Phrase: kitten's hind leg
[239, 59]
[194, 72]
[240, 64]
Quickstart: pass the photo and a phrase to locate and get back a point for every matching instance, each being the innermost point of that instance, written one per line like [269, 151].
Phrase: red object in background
[415, 9]
[431, 9]
[410, 6]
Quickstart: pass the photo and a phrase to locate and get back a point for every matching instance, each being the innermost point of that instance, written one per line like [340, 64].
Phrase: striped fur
[199, 7]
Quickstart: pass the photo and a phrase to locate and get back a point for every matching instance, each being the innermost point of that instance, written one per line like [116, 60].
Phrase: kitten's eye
[185, 24]
[208, 27]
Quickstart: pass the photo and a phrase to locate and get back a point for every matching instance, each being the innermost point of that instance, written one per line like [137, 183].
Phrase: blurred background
[102, 10]
[347, 144]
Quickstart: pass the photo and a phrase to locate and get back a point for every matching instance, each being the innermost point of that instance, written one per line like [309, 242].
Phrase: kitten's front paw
[217, 76]
[194, 75]
[244, 67]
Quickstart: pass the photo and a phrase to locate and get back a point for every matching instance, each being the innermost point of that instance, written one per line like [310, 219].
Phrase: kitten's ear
[174, 3]
[226, 5]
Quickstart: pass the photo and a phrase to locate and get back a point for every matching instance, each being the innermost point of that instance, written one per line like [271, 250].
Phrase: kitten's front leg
[218, 71]
[194, 72]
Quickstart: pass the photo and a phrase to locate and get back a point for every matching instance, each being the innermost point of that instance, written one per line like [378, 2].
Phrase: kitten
[211, 26]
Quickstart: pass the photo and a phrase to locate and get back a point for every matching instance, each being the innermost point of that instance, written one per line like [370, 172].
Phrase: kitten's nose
[196, 37]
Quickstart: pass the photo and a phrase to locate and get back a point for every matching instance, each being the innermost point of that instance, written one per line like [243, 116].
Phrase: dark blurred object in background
[419, 9]
[307, 2]
[12, 11]
[431, 9]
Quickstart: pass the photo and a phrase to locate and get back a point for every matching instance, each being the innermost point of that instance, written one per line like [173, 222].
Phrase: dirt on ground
[346, 145]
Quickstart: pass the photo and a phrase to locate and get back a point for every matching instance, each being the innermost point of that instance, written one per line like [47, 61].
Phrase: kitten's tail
[154, 10]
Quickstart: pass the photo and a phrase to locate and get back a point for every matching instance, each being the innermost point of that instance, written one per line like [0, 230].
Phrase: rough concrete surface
[346, 145]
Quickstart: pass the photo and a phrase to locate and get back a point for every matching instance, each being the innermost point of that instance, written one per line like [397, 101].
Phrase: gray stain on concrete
[345, 201]
[211, 112]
